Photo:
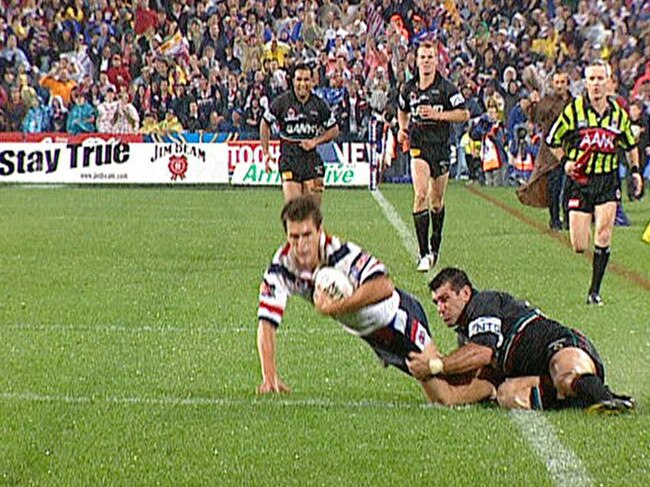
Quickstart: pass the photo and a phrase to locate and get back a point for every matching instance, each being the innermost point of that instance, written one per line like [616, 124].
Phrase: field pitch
[128, 356]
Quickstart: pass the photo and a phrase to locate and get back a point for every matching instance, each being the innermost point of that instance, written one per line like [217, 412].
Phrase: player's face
[427, 60]
[304, 237]
[561, 83]
[596, 80]
[302, 84]
[450, 304]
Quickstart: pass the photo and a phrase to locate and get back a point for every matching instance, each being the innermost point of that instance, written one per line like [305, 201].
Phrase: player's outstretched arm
[271, 381]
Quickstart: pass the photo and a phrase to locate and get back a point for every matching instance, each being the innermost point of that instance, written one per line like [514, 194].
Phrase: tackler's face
[304, 239]
[449, 303]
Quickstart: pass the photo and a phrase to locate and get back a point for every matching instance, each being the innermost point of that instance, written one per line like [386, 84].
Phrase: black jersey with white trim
[493, 319]
[442, 95]
[298, 121]
[283, 279]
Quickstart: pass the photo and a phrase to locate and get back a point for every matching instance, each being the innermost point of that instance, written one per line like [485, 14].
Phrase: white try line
[206, 401]
[563, 466]
[163, 329]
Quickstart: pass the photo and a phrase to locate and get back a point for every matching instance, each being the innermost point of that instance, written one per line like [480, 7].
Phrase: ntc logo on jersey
[597, 139]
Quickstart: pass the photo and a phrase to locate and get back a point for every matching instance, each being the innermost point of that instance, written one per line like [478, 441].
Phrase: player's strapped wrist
[634, 169]
[436, 366]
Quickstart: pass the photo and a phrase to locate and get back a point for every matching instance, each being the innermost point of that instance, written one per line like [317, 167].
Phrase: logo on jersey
[355, 272]
[557, 345]
[457, 100]
[598, 139]
[292, 116]
[486, 324]
[267, 290]
[302, 129]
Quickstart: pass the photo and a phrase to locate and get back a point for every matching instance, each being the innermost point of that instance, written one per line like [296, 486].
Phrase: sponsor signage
[112, 160]
[335, 175]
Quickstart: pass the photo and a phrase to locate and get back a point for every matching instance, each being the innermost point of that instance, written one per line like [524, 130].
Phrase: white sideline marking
[161, 329]
[564, 466]
[205, 401]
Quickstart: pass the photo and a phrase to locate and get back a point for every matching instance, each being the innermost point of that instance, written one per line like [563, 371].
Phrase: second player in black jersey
[428, 104]
[304, 122]
[529, 349]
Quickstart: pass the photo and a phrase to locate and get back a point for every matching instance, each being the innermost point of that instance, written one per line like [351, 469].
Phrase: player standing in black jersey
[428, 104]
[545, 363]
[305, 121]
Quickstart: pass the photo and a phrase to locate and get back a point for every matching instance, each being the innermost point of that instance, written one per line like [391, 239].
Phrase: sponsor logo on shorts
[287, 176]
[574, 203]
[415, 152]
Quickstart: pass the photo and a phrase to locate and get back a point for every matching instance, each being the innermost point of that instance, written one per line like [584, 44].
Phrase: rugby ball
[333, 282]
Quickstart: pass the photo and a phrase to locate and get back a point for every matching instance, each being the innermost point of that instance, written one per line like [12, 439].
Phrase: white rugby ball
[334, 282]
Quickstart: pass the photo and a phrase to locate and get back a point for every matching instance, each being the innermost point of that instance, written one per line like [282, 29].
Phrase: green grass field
[128, 357]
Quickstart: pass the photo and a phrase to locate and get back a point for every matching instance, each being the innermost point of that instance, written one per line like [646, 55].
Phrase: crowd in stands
[143, 66]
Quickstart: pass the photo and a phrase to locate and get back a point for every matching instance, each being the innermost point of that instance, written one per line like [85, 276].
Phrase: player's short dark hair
[457, 279]
[302, 67]
[426, 44]
[301, 209]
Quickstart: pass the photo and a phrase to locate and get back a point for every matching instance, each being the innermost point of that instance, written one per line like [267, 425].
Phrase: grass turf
[127, 337]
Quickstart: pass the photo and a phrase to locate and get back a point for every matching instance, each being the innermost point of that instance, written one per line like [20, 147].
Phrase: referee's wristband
[436, 366]
[634, 170]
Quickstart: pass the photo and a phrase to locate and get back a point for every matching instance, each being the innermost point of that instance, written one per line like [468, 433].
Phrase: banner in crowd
[106, 159]
[346, 163]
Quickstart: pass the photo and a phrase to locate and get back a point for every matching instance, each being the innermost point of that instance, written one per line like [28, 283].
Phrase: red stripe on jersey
[415, 326]
[285, 250]
[273, 309]
[328, 240]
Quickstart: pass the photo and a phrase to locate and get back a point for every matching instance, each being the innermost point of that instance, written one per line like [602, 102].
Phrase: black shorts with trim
[392, 344]
[533, 348]
[435, 153]
[600, 189]
[300, 166]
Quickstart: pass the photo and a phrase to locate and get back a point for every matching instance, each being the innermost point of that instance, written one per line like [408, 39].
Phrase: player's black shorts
[408, 332]
[301, 167]
[435, 153]
[533, 348]
[600, 189]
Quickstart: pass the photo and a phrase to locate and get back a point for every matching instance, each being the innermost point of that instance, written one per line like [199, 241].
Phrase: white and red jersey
[283, 279]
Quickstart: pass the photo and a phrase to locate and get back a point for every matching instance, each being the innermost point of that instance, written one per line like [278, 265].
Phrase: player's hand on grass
[274, 385]
[418, 364]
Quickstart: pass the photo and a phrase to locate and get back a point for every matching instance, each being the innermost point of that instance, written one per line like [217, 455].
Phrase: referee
[428, 105]
[586, 137]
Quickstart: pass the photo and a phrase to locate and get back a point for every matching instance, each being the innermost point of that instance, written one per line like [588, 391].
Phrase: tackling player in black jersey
[428, 105]
[547, 364]
[305, 121]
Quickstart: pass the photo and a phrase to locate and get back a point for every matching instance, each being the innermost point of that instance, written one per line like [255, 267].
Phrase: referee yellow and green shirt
[592, 140]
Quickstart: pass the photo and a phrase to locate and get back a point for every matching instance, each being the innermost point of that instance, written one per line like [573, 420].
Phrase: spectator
[106, 113]
[118, 74]
[126, 119]
[81, 116]
[58, 83]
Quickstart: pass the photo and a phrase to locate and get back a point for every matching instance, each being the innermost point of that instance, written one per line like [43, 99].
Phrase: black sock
[601, 257]
[437, 220]
[421, 220]
[590, 389]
